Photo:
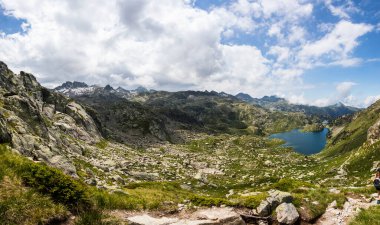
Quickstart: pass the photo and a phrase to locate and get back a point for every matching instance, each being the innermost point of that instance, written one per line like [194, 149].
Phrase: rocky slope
[195, 111]
[41, 124]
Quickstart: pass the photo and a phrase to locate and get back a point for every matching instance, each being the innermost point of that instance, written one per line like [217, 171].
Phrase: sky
[316, 52]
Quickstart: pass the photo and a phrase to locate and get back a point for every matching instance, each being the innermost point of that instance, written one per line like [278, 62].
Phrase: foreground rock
[275, 199]
[335, 216]
[213, 216]
[287, 213]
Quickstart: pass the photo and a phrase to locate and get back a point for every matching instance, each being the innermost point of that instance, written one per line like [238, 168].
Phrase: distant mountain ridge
[281, 104]
[273, 103]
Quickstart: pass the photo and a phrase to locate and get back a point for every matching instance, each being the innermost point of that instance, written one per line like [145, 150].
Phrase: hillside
[192, 111]
[357, 146]
[104, 157]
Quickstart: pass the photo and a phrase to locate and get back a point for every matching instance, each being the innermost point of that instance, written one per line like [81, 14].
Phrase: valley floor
[211, 171]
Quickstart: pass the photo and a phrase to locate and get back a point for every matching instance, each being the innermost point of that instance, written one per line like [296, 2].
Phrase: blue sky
[311, 52]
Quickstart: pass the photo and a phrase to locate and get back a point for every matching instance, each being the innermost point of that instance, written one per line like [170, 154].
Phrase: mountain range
[76, 89]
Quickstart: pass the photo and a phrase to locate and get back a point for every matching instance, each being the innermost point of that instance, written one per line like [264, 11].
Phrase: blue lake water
[306, 143]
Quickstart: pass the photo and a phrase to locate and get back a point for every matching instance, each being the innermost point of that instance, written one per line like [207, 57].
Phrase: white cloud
[344, 88]
[343, 93]
[282, 53]
[343, 11]
[337, 44]
[137, 42]
[370, 100]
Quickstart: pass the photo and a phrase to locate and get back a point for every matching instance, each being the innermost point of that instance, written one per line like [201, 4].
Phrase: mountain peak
[69, 85]
[272, 98]
[141, 89]
[339, 104]
[244, 97]
[108, 88]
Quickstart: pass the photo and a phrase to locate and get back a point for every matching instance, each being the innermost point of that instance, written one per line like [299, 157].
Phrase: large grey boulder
[287, 213]
[275, 198]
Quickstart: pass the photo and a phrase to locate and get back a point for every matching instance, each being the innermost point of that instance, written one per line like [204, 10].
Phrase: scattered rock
[287, 213]
[264, 209]
[335, 216]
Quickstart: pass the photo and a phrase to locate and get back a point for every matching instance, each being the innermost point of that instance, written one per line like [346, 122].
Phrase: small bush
[60, 187]
[208, 201]
[95, 217]
[23, 206]
[102, 144]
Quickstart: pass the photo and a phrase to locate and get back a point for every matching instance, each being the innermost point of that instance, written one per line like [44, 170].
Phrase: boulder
[275, 198]
[287, 213]
[264, 209]
[373, 133]
[281, 196]
[64, 164]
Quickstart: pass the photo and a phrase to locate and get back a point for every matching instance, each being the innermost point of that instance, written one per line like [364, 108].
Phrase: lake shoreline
[306, 143]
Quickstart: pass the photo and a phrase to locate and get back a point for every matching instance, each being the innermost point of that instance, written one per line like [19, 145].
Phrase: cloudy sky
[313, 52]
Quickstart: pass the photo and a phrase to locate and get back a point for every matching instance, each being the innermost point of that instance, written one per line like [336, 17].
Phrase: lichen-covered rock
[264, 209]
[287, 213]
[5, 135]
[275, 198]
[373, 134]
[42, 124]
[281, 196]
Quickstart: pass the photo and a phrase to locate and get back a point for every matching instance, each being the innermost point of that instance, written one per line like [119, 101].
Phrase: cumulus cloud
[343, 93]
[172, 45]
[342, 11]
[370, 100]
[336, 45]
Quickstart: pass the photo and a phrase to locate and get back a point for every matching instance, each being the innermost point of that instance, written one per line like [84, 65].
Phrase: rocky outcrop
[337, 216]
[270, 204]
[280, 202]
[373, 134]
[43, 125]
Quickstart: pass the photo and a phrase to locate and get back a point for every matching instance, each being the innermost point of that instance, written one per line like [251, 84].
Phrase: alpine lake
[306, 143]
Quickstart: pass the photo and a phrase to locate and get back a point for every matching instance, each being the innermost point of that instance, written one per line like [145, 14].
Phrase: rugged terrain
[127, 153]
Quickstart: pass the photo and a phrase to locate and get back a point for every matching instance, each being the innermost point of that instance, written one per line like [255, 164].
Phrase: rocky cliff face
[40, 124]
[373, 134]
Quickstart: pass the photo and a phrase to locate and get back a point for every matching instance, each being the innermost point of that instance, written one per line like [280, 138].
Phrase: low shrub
[59, 186]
